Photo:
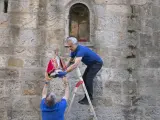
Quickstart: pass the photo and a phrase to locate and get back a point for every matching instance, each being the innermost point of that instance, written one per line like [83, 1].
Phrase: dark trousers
[89, 75]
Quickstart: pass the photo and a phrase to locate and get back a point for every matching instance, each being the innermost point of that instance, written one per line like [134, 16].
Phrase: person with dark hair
[92, 60]
[50, 108]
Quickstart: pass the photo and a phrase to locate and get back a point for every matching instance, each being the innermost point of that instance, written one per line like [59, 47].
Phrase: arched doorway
[79, 25]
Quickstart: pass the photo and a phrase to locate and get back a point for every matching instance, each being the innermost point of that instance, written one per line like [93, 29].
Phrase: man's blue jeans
[89, 75]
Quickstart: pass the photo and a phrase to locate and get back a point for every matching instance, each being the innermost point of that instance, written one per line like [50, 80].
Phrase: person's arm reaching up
[73, 66]
[66, 95]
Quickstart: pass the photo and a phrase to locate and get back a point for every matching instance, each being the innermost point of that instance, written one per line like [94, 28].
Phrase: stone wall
[124, 32]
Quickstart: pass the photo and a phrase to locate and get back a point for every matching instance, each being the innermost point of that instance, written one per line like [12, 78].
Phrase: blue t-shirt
[55, 112]
[88, 56]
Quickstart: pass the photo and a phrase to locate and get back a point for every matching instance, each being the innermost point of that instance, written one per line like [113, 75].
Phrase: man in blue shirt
[88, 57]
[50, 109]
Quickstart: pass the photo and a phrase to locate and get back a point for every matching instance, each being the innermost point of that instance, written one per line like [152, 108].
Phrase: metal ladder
[81, 82]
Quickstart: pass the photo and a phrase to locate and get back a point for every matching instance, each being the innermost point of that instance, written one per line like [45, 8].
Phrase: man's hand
[61, 74]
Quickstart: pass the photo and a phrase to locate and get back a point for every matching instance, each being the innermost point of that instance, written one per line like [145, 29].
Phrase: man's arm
[45, 89]
[66, 95]
[73, 66]
[47, 77]
[70, 62]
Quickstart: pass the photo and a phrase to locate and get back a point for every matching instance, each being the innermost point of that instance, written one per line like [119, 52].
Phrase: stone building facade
[125, 33]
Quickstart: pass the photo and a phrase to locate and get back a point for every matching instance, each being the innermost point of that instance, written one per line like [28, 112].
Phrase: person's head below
[72, 43]
[50, 99]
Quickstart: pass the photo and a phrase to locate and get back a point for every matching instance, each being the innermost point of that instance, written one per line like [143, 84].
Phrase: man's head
[72, 43]
[50, 99]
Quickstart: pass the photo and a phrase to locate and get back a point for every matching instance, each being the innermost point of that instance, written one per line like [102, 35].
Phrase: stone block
[119, 75]
[31, 87]
[57, 87]
[2, 114]
[100, 1]
[156, 2]
[25, 6]
[112, 22]
[35, 102]
[142, 52]
[32, 62]
[122, 63]
[6, 50]
[53, 37]
[32, 74]
[1, 93]
[126, 100]
[154, 23]
[5, 37]
[15, 62]
[112, 88]
[116, 2]
[12, 87]
[145, 101]
[27, 37]
[4, 20]
[129, 88]
[139, 2]
[19, 115]
[9, 73]
[115, 113]
[152, 111]
[3, 61]
[109, 37]
[24, 20]
[20, 103]
[1, 6]
[145, 40]
[2, 106]
[155, 11]
[105, 74]
[1, 84]
[101, 101]
[54, 22]
[116, 52]
[120, 9]
[145, 11]
[153, 51]
[156, 38]
[97, 87]
[153, 63]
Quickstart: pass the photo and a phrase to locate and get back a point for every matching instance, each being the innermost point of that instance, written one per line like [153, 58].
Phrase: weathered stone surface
[98, 86]
[116, 2]
[15, 62]
[129, 87]
[9, 73]
[152, 111]
[125, 89]
[31, 87]
[145, 40]
[32, 62]
[5, 37]
[3, 20]
[23, 20]
[154, 23]
[112, 87]
[23, 6]
[156, 37]
[2, 114]
[119, 75]
[13, 88]
[139, 2]
[3, 61]
[32, 74]
[28, 37]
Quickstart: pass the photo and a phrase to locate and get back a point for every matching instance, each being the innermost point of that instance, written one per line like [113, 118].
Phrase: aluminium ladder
[81, 82]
